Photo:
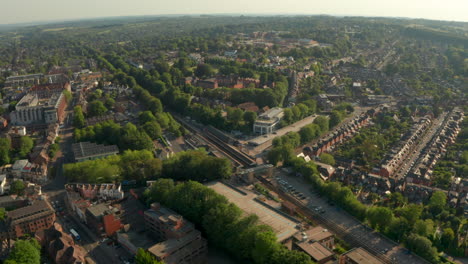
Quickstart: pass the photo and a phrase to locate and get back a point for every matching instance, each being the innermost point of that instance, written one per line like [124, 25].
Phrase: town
[261, 140]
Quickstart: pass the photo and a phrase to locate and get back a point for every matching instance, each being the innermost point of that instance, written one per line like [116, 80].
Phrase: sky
[20, 11]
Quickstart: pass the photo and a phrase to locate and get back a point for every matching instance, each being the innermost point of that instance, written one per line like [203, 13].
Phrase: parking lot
[335, 215]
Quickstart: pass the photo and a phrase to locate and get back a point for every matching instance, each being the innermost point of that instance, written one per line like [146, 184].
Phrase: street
[352, 226]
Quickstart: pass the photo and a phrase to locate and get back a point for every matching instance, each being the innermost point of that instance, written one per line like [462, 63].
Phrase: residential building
[182, 243]
[35, 108]
[103, 218]
[318, 252]
[2, 183]
[89, 151]
[267, 122]
[60, 246]
[28, 220]
[106, 191]
[358, 256]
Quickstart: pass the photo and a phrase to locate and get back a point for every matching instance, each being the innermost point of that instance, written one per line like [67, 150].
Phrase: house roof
[88, 149]
[361, 256]
[316, 250]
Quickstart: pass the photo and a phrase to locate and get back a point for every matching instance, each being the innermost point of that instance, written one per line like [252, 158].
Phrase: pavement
[430, 132]
[54, 189]
[353, 226]
[265, 141]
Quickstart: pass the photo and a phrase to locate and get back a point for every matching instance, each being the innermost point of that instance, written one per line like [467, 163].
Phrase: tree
[424, 228]
[25, 252]
[17, 187]
[2, 214]
[68, 96]
[250, 117]
[109, 103]
[204, 71]
[144, 257]
[335, 118]
[379, 217]
[4, 151]
[145, 117]
[25, 146]
[423, 247]
[323, 123]
[437, 202]
[153, 129]
[327, 159]
[78, 117]
[448, 237]
[96, 108]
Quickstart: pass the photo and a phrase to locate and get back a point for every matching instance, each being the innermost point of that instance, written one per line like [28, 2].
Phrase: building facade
[35, 109]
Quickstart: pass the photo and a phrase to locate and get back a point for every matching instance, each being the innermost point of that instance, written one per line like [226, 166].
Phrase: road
[354, 229]
[430, 132]
[54, 189]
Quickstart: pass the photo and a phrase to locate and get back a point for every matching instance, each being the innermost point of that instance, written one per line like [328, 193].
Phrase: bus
[75, 234]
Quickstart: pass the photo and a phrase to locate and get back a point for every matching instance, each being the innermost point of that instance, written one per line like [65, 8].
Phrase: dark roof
[88, 149]
[31, 211]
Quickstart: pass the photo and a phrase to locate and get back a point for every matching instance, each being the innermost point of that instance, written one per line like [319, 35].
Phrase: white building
[2, 183]
[267, 122]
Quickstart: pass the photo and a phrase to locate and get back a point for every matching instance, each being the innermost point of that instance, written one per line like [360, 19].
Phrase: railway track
[236, 156]
[342, 233]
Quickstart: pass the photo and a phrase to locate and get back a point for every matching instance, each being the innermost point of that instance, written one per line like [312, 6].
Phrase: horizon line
[53, 21]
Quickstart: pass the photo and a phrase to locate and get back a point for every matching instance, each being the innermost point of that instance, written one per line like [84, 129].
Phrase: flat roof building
[181, 242]
[36, 108]
[358, 256]
[29, 219]
[89, 151]
[267, 122]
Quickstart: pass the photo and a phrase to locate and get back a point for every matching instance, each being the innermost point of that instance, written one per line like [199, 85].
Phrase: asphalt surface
[354, 227]
[100, 252]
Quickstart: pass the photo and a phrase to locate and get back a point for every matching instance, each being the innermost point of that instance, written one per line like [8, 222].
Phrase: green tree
[379, 217]
[25, 252]
[204, 71]
[25, 146]
[153, 129]
[447, 238]
[335, 118]
[424, 228]
[323, 123]
[423, 247]
[68, 96]
[250, 118]
[4, 151]
[144, 257]
[109, 103]
[17, 187]
[2, 214]
[78, 117]
[437, 202]
[327, 159]
[96, 108]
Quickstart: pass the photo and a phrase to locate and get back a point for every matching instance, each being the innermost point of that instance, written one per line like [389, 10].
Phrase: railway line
[342, 233]
[236, 156]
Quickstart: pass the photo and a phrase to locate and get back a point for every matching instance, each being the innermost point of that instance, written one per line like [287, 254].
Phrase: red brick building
[29, 219]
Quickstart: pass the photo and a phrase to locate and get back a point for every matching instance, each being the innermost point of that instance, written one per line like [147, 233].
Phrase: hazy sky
[15, 11]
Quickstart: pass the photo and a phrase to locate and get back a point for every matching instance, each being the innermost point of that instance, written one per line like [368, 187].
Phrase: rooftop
[361, 256]
[98, 210]
[31, 211]
[88, 149]
[316, 250]
[283, 227]
[317, 233]
[168, 246]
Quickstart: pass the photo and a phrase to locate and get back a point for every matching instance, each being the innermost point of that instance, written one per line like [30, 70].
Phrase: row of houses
[421, 173]
[400, 153]
[345, 132]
